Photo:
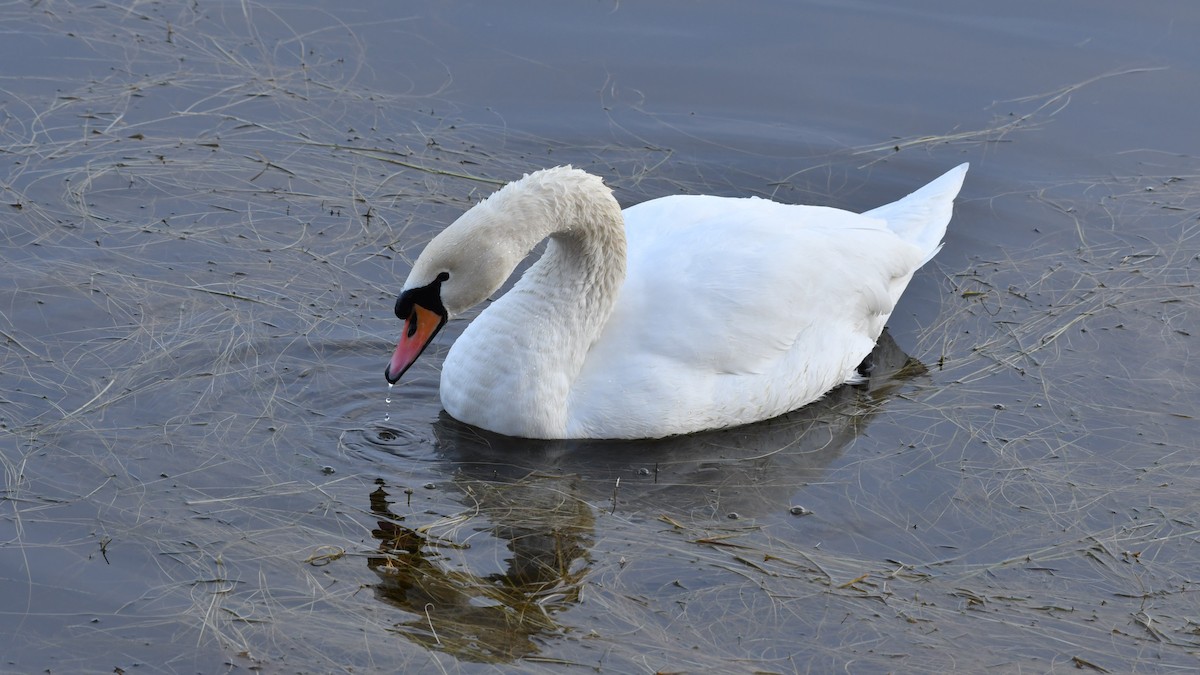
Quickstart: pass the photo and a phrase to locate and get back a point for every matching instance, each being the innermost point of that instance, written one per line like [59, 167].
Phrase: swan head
[461, 267]
[468, 261]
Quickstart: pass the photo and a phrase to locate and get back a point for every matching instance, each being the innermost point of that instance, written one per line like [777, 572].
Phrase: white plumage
[679, 314]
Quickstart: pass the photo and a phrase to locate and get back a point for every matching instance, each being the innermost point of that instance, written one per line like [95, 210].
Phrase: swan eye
[428, 296]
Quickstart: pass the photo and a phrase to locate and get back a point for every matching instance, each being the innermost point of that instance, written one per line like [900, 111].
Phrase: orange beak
[419, 328]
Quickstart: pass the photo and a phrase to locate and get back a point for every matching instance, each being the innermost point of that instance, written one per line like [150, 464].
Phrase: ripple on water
[387, 442]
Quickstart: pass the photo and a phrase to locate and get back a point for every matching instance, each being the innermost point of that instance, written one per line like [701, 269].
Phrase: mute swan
[679, 314]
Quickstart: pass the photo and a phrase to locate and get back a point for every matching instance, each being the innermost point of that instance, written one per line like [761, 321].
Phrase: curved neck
[584, 262]
[535, 338]
[575, 282]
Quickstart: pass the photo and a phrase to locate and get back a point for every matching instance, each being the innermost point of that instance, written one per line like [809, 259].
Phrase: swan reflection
[486, 584]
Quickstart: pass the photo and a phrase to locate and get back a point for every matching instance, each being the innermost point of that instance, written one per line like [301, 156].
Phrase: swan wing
[734, 310]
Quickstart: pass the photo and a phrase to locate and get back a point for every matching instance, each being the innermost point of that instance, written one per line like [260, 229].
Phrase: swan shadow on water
[540, 500]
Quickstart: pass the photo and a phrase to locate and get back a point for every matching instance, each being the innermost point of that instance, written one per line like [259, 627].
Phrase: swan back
[735, 310]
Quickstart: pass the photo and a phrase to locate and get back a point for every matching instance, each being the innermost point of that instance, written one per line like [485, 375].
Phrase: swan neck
[556, 311]
[585, 254]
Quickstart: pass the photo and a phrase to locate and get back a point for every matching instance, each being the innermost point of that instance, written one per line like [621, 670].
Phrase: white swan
[679, 314]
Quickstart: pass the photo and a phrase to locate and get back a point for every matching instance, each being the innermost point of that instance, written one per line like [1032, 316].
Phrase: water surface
[208, 208]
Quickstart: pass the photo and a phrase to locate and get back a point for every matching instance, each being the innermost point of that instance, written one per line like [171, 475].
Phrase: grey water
[206, 210]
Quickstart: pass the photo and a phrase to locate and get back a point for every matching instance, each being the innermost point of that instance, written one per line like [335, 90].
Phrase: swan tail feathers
[921, 217]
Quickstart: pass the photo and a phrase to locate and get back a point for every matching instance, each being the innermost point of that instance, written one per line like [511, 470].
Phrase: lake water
[208, 207]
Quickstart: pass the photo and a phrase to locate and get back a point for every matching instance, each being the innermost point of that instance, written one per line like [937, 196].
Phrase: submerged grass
[199, 252]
